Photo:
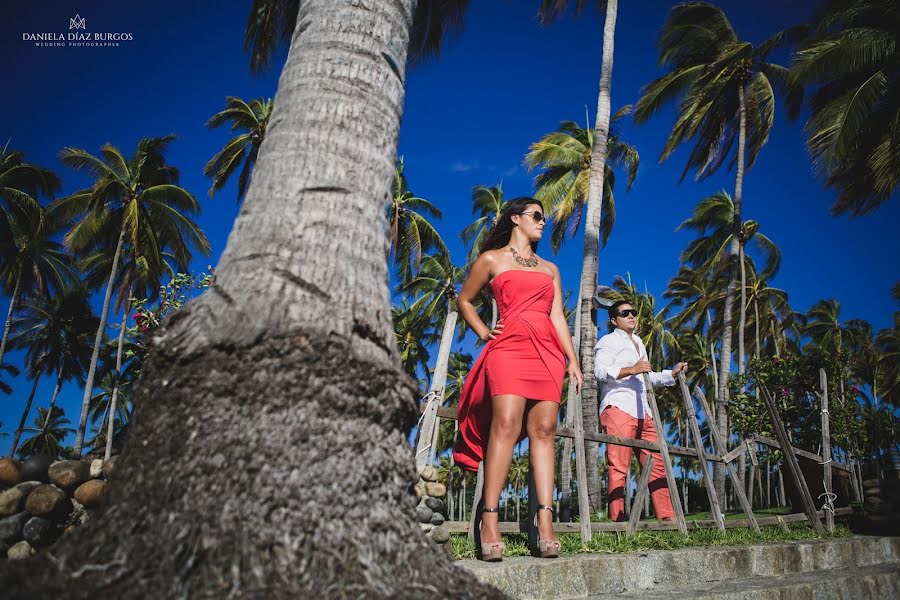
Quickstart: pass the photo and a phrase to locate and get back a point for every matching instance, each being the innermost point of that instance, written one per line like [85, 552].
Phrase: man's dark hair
[614, 309]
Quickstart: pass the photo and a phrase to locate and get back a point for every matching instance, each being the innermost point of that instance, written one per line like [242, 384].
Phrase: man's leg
[659, 489]
[621, 424]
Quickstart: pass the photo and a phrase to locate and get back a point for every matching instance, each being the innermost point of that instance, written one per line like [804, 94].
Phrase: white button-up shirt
[614, 352]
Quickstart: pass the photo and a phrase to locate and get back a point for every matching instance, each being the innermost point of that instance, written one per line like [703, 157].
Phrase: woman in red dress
[514, 387]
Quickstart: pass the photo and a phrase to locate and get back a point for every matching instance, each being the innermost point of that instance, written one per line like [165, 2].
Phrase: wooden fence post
[714, 506]
[664, 453]
[479, 490]
[791, 459]
[828, 507]
[584, 508]
[643, 492]
[721, 448]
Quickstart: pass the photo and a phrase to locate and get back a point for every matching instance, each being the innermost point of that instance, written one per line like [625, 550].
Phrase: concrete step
[874, 582]
[666, 571]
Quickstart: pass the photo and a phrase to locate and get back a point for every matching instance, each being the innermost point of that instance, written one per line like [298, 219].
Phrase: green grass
[517, 545]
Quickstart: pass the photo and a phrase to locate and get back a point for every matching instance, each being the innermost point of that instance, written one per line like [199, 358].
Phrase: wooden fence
[432, 412]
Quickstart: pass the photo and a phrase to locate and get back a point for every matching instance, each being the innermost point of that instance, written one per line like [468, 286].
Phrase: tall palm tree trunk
[114, 400]
[565, 459]
[742, 359]
[27, 410]
[733, 266]
[59, 381]
[7, 326]
[590, 257]
[92, 370]
[712, 359]
[439, 379]
[292, 353]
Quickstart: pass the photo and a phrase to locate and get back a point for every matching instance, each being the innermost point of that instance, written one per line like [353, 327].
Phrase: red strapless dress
[526, 359]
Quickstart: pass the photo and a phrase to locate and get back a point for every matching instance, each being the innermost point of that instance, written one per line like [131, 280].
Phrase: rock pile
[40, 500]
[882, 498]
[431, 511]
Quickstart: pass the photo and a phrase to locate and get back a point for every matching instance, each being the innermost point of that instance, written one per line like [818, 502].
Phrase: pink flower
[786, 392]
[136, 316]
[855, 389]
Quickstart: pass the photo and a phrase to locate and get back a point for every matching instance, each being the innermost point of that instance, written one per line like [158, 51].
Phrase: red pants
[619, 423]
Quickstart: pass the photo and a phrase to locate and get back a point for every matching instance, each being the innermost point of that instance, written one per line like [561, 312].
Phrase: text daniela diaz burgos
[74, 38]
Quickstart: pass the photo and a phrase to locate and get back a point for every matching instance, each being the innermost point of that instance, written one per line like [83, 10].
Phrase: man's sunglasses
[627, 312]
[537, 215]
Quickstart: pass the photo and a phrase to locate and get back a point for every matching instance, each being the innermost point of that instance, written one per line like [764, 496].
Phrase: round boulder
[420, 489]
[435, 490]
[429, 473]
[423, 514]
[440, 534]
[19, 551]
[10, 472]
[13, 499]
[435, 504]
[47, 500]
[871, 483]
[426, 527]
[96, 468]
[39, 532]
[91, 493]
[11, 528]
[35, 468]
[69, 474]
[437, 519]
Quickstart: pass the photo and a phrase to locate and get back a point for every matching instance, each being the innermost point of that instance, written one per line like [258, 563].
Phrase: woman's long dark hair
[502, 231]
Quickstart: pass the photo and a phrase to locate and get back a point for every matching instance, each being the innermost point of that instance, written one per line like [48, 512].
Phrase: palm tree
[61, 326]
[824, 327]
[271, 24]
[292, 342]
[411, 331]
[853, 134]
[21, 184]
[5, 388]
[49, 430]
[138, 203]
[411, 234]
[250, 118]
[565, 159]
[487, 204]
[713, 219]
[594, 211]
[32, 263]
[436, 285]
[725, 87]
[518, 478]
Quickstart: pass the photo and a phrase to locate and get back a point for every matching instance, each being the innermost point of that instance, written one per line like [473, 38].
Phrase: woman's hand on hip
[575, 375]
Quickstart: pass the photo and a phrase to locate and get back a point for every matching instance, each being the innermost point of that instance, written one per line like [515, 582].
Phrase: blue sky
[469, 119]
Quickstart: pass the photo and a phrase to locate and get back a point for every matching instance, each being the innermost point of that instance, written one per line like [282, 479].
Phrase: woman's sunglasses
[537, 215]
[627, 312]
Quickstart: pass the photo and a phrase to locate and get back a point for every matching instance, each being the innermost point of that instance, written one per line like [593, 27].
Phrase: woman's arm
[479, 276]
[558, 317]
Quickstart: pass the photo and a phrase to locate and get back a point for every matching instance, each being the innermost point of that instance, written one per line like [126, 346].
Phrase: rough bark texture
[21, 428]
[590, 257]
[565, 460]
[269, 456]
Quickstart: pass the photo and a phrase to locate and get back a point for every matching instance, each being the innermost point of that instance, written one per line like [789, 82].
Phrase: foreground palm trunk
[269, 456]
[590, 258]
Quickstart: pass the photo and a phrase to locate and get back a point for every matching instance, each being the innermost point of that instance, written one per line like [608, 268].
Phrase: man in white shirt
[619, 360]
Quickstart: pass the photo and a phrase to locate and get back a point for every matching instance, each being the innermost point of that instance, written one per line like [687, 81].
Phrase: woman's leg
[541, 425]
[506, 425]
